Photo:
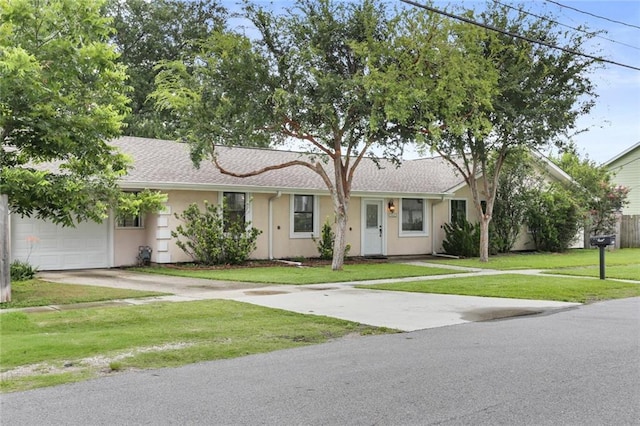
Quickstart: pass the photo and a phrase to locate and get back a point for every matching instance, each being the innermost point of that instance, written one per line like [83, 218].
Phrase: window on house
[129, 222]
[303, 213]
[235, 208]
[413, 215]
[134, 221]
[458, 210]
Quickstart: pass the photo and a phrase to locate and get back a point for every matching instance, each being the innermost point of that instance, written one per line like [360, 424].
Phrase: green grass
[623, 272]
[572, 258]
[581, 290]
[308, 275]
[42, 293]
[151, 336]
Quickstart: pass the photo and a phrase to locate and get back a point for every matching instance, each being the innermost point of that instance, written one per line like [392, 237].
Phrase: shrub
[462, 238]
[326, 241]
[209, 241]
[553, 220]
[22, 271]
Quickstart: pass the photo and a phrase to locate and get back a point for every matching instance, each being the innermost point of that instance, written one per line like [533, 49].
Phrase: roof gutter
[270, 236]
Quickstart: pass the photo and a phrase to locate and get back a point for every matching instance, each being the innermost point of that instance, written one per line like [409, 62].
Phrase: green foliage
[513, 196]
[63, 98]
[212, 242]
[326, 242]
[462, 238]
[508, 95]
[333, 75]
[148, 32]
[593, 190]
[553, 219]
[22, 271]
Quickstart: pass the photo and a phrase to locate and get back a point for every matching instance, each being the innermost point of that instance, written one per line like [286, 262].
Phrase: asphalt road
[580, 366]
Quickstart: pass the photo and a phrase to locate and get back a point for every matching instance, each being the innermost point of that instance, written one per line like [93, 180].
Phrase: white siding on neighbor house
[627, 173]
[48, 246]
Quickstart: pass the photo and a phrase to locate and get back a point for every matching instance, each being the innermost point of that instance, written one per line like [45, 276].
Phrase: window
[458, 210]
[134, 221]
[129, 222]
[304, 216]
[303, 213]
[413, 215]
[235, 208]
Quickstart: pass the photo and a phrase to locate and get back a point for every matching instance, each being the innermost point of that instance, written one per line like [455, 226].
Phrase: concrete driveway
[399, 310]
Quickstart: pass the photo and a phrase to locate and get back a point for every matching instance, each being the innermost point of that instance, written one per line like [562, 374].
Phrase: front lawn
[36, 292]
[304, 275]
[623, 272]
[49, 348]
[565, 289]
[569, 259]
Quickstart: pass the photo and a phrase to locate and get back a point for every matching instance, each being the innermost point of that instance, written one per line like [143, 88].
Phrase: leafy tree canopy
[148, 32]
[538, 96]
[62, 96]
[331, 75]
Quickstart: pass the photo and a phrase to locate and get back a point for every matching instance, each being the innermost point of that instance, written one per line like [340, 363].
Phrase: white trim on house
[425, 219]
[316, 218]
[622, 154]
[248, 203]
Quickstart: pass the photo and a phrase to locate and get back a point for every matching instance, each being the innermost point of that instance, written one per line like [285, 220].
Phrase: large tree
[541, 92]
[148, 32]
[323, 74]
[62, 98]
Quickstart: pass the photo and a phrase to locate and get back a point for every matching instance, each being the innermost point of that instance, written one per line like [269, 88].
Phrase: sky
[614, 122]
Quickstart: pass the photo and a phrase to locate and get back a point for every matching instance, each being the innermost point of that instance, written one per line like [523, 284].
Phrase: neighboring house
[393, 211]
[626, 169]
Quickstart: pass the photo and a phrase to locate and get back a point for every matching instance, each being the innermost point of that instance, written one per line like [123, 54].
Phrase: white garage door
[52, 247]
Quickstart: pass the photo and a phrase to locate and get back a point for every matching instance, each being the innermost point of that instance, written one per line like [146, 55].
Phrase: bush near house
[211, 239]
[462, 238]
[22, 271]
[553, 219]
[326, 242]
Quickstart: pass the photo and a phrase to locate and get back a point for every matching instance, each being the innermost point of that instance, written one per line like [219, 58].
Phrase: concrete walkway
[399, 310]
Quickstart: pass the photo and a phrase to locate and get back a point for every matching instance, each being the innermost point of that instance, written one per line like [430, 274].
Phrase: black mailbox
[602, 240]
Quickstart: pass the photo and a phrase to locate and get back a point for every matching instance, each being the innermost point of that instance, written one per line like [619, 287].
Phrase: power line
[521, 37]
[593, 14]
[566, 26]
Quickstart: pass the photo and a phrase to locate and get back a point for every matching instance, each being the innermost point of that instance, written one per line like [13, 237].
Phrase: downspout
[433, 225]
[275, 197]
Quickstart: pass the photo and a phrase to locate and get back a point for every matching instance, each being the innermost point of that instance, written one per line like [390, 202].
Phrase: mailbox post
[601, 241]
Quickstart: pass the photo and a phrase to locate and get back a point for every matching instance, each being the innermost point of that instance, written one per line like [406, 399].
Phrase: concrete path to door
[399, 310]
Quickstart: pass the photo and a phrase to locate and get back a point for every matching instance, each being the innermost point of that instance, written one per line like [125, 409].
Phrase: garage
[49, 247]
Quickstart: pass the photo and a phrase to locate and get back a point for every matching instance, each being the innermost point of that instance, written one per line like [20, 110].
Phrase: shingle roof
[165, 164]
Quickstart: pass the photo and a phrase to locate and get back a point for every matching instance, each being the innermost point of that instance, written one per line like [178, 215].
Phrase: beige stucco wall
[126, 242]
[177, 202]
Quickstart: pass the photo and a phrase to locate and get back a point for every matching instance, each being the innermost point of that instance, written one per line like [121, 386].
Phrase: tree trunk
[5, 251]
[484, 238]
[340, 242]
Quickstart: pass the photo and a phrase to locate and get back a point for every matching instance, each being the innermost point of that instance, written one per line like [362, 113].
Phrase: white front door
[372, 231]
